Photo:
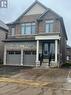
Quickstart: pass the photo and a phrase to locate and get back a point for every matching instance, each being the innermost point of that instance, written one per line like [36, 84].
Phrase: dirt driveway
[30, 81]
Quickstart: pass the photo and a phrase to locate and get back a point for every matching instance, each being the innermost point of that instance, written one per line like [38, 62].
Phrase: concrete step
[45, 65]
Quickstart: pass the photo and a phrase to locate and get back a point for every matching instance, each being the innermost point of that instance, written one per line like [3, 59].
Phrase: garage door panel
[33, 59]
[29, 59]
[13, 59]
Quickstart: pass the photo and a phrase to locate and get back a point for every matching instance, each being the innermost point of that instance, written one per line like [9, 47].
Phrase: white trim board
[47, 37]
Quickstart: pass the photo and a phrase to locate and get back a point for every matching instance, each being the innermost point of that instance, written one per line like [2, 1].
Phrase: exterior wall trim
[47, 37]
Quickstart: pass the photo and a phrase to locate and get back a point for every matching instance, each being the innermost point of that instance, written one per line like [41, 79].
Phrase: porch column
[21, 57]
[5, 55]
[37, 54]
[56, 42]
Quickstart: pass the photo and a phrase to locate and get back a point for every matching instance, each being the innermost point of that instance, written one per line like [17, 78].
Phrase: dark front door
[48, 47]
[46, 50]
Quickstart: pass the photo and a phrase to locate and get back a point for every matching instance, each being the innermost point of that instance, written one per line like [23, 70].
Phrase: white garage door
[13, 57]
[29, 58]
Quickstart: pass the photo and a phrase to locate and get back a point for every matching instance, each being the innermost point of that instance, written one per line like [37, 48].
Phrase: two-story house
[38, 31]
[3, 33]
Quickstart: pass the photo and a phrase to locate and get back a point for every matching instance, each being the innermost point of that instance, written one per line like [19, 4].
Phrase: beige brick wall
[49, 16]
[29, 18]
[17, 29]
[63, 47]
[40, 26]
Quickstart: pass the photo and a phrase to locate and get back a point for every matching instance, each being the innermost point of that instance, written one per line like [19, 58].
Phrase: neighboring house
[68, 51]
[38, 31]
[3, 33]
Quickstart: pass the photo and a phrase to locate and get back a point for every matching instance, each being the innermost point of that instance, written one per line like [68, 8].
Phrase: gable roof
[3, 25]
[36, 2]
[43, 14]
[57, 17]
[49, 10]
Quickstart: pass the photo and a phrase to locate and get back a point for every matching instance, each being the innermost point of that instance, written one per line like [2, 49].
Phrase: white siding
[36, 9]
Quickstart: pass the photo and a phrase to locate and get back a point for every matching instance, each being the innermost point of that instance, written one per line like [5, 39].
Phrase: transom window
[49, 26]
[28, 28]
[14, 52]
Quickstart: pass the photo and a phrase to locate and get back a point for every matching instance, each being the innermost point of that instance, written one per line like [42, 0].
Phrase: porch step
[45, 64]
[53, 64]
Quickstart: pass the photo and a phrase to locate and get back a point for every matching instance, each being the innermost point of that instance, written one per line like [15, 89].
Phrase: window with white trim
[28, 28]
[49, 26]
[13, 31]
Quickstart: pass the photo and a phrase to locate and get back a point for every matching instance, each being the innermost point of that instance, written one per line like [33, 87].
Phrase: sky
[17, 7]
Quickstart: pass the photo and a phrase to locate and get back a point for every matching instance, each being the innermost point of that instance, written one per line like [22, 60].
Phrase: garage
[29, 58]
[13, 57]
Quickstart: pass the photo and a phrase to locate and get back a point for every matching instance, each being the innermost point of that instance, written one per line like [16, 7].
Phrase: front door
[48, 47]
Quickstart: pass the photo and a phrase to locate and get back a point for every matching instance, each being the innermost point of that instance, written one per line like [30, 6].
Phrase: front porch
[46, 45]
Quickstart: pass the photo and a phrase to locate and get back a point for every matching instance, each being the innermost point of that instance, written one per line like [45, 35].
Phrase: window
[27, 52]
[14, 52]
[28, 28]
[10, 52]
[49, 26]
[33, 28]
[13, 31]
[67, 58]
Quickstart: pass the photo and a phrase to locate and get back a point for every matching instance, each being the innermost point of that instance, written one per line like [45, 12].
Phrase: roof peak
[37, 1]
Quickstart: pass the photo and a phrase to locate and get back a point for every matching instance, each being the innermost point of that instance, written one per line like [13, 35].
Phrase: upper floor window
[13, 31]
[49, 26]
[28, 28]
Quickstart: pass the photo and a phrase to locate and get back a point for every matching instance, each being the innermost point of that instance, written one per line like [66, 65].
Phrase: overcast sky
[16, 7]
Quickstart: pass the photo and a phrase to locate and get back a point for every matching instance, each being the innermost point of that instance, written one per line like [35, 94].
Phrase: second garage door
[29, 58]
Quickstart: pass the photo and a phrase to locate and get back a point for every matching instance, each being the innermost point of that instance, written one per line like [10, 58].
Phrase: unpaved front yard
[57, 81]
